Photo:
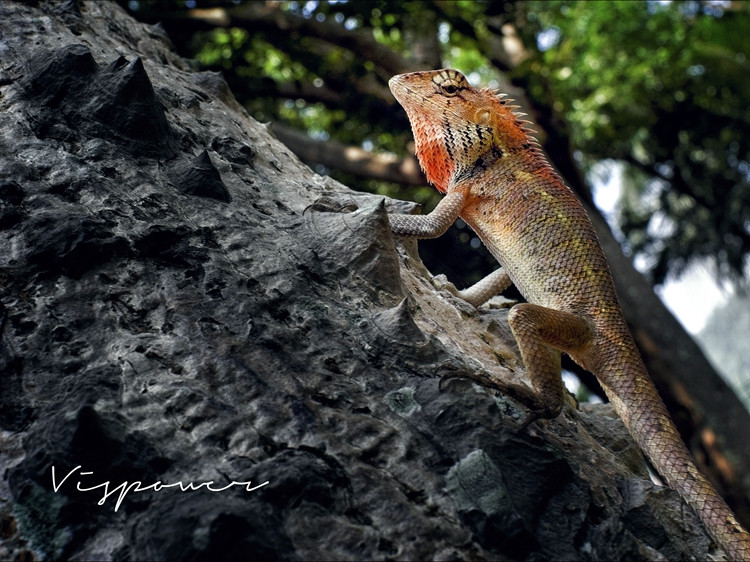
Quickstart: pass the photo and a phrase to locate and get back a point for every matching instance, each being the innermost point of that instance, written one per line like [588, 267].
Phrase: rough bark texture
[708, 414]
[183, 301]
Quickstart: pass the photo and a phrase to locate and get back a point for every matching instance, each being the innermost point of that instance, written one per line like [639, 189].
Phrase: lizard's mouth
[401, 91]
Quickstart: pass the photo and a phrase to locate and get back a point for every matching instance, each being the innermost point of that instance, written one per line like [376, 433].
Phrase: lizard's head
[458, 129]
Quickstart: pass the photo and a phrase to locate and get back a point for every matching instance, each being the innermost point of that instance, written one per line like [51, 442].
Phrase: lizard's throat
[437, 163]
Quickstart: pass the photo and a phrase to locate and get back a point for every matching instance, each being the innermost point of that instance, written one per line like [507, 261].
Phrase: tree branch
[267, 87]
[270, 18]
[350, 159]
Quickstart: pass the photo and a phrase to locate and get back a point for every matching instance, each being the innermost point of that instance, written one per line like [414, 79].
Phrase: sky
[693, 297]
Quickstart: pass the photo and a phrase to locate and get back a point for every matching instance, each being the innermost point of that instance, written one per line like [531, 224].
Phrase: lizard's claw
[441, 283]
[512, 400]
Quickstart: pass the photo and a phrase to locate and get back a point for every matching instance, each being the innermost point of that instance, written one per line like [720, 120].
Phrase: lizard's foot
[518, 414]
[333, 205]
[516, 401]
[441, 283]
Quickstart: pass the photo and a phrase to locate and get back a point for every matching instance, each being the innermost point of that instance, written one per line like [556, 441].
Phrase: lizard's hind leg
[542, 333]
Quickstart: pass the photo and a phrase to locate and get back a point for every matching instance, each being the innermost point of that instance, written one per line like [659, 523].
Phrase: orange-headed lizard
[474, 147]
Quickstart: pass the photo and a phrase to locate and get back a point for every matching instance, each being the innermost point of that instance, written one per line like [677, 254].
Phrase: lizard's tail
[637, 402]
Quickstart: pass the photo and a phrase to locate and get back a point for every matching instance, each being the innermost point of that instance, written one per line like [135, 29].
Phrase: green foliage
[664, 88]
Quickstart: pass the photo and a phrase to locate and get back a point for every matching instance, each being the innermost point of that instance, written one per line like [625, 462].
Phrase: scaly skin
[474, 147]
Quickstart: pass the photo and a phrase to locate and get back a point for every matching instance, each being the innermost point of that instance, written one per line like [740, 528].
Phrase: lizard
[476, 148]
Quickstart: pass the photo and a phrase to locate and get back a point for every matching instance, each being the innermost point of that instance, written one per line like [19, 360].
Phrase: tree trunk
[186, 308]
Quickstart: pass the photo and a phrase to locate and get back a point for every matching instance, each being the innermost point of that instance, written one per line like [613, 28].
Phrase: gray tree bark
[183, 302]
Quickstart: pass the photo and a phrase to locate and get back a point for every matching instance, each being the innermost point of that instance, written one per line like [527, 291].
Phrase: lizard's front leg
[484, 289]
[435, 224]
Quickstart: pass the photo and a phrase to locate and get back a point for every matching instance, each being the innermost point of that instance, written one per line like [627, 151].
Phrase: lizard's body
[474, 148]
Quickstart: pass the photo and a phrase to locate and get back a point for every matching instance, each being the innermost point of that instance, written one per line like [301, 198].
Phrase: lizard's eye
[449, 89]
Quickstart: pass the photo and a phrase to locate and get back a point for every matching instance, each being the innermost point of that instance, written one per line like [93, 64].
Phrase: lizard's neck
[435, 159]
[450, 155]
